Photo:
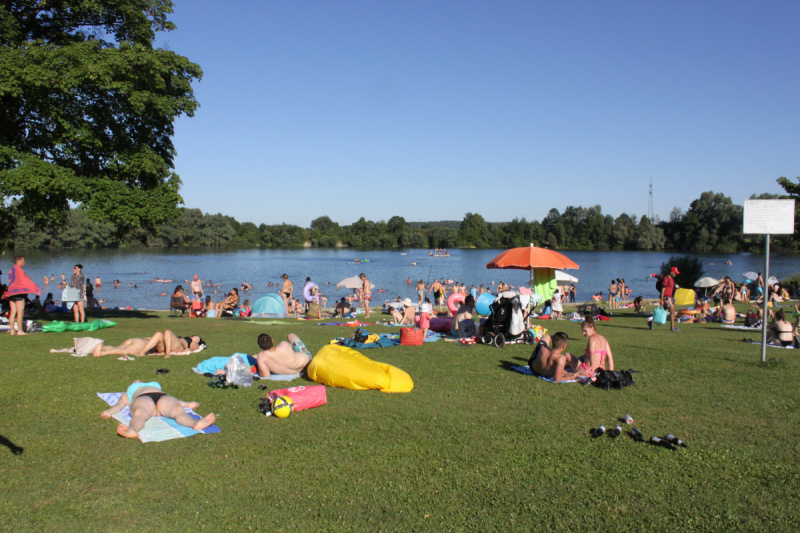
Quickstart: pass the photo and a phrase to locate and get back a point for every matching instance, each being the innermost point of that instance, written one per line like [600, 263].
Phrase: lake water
[386, 269]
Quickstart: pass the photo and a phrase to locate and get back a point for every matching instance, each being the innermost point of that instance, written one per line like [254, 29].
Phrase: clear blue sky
[429, 110]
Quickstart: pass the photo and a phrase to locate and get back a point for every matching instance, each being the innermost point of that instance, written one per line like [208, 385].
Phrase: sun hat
[407, 302]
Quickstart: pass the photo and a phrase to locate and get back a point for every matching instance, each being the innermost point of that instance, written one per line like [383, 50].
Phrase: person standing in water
[286, 289]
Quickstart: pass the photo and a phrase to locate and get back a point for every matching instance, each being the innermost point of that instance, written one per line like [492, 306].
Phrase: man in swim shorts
[197, 286]
[438, 293]
[727, 313]
[549, 362]
[667, 290]
[367, 292]
[290, 357]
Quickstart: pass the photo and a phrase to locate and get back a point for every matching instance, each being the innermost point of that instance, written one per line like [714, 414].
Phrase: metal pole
[766, 302]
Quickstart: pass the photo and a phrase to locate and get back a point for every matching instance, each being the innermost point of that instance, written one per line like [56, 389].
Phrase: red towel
[19, 283]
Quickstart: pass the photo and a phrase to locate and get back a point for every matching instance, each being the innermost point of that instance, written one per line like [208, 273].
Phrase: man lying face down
[290, 357]
[550, 362]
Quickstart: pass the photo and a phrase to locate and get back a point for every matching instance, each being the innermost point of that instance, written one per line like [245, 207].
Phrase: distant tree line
[713, 223]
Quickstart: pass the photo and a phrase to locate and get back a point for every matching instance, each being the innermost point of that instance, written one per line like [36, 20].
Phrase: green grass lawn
[474, 447]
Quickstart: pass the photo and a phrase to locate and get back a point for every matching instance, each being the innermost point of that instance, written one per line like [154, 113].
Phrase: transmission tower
[650, 202]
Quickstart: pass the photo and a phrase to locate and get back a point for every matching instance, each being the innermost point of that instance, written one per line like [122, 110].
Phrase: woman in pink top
[597, 350]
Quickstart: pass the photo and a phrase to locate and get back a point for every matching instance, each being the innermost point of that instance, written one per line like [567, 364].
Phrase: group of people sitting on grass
[146, 400]
[551, 360]
[229, 306]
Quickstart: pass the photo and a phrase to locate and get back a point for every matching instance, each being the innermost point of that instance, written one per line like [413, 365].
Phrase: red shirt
[668, 285]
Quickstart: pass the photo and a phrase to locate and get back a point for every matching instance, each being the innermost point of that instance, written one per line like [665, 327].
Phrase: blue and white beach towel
[158, 428]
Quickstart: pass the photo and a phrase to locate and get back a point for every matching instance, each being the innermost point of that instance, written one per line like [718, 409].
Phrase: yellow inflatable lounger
[684, 297]
[340, 366]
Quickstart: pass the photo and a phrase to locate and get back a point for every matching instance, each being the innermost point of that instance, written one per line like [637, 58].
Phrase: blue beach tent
[270, 306]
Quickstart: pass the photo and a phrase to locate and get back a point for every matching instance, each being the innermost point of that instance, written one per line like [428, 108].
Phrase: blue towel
[383, 342]
[210, 366]
[527, 371]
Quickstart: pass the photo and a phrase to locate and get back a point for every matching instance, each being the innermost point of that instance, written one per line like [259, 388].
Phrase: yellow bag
[684, 297]
[340, 366]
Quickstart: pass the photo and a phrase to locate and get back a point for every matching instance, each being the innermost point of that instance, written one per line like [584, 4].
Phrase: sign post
[766, 217]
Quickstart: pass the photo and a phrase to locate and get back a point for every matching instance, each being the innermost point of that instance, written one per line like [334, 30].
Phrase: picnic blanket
[742, 328]
[210, 366]
[382, 342]
[158, 428]
[770, 345]
[527, 371]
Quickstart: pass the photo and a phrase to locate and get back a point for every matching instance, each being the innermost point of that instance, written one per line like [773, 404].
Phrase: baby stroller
[506, 322]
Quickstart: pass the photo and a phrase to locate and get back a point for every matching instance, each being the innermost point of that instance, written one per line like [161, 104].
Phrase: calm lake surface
[386, 269]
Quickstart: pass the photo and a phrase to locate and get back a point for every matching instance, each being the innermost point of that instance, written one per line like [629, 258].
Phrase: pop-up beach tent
[270, 306]
[540, 262]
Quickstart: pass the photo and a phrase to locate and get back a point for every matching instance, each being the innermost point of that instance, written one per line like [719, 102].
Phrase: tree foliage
[87, 107]
[712, 224]
[690, 268]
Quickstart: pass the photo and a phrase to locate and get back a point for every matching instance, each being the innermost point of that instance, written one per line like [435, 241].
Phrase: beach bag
[614, 379]
[303, 397]
[238, 372]
[361, 336]
[659, 284]
[660, 315]
[750, 319]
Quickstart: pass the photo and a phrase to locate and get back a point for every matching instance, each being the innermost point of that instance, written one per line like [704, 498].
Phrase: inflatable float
[483, 302]
[307, 294]
[454, 300]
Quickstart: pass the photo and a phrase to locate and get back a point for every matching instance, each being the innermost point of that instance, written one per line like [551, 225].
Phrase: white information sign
[773, 217]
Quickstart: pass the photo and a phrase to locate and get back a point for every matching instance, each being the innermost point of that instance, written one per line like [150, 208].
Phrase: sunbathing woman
[780, 332]
[166, 343]
[597, 350]
[146, 401]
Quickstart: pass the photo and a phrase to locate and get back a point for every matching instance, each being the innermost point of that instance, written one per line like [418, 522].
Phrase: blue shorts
[299, 347]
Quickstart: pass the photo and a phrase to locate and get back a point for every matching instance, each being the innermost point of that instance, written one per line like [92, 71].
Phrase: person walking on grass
[19, 287]
[666, 297]
[366, 290]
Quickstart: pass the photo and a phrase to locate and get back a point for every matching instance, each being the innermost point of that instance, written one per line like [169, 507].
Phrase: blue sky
[429, 110]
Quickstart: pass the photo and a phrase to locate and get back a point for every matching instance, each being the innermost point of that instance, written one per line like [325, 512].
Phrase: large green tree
[87, 107]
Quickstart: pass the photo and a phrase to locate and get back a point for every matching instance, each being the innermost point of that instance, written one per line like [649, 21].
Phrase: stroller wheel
[487, 339]
[499, 340]
[528, 337]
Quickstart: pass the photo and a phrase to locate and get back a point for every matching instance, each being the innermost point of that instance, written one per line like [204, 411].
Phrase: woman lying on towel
[166, 343]
[146, 401]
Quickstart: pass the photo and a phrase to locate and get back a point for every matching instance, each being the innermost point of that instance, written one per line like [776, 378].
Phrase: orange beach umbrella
[532, 257]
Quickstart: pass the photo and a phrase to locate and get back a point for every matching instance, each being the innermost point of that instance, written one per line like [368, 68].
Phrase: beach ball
[282, 406]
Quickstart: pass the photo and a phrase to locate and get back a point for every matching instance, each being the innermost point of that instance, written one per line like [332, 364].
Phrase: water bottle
[637, 435]
[599, 431]
[616, 431]
[661, 442]
[628, 420]
[672, 439]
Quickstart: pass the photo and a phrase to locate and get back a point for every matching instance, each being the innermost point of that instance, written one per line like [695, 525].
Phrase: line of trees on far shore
[713, 223]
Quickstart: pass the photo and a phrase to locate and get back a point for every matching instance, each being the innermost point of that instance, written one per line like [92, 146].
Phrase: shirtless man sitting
[549, 362]
[290, 357]
[727, 313]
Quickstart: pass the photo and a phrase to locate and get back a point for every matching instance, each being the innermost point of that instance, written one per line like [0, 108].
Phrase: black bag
[614, 379]
[360, 336]
[750, 319]
[659, 284]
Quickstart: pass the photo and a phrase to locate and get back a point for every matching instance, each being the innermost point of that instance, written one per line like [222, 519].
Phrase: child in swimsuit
[146, 401]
